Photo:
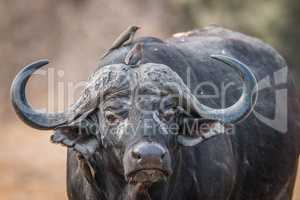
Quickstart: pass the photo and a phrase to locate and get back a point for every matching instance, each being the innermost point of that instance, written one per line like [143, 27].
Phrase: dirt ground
[30, 166]
[33, 168]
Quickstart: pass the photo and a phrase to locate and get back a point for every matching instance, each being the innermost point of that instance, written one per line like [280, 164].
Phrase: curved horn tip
[228, 60]
[38, 63]
[222, 58]
[216, 56]
[33, 66]
[44, 60]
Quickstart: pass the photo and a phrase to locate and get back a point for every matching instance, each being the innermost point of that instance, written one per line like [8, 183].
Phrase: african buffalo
[128, 134]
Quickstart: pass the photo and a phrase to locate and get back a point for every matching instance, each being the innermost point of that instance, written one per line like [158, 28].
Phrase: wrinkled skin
[256, 162]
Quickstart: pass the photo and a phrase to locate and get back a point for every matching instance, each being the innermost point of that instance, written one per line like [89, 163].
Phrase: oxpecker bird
[124, 38]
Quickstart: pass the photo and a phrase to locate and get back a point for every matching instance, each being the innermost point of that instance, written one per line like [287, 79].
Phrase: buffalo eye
[111, 118]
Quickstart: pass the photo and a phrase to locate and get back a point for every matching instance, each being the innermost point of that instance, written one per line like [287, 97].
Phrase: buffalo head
[131, 117]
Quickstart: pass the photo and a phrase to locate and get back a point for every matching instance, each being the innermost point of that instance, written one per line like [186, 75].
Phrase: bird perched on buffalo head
[124, 38]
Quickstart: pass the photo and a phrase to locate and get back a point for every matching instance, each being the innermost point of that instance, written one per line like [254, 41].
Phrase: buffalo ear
[79, 135]
[86, 145]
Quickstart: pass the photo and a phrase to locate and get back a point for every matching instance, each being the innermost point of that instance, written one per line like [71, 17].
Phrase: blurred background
[73, 34]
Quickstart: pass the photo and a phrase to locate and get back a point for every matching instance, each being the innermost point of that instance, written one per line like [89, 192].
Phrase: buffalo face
[135, 121]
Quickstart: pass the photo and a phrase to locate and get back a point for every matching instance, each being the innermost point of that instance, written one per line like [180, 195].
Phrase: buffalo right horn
[243, 107]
